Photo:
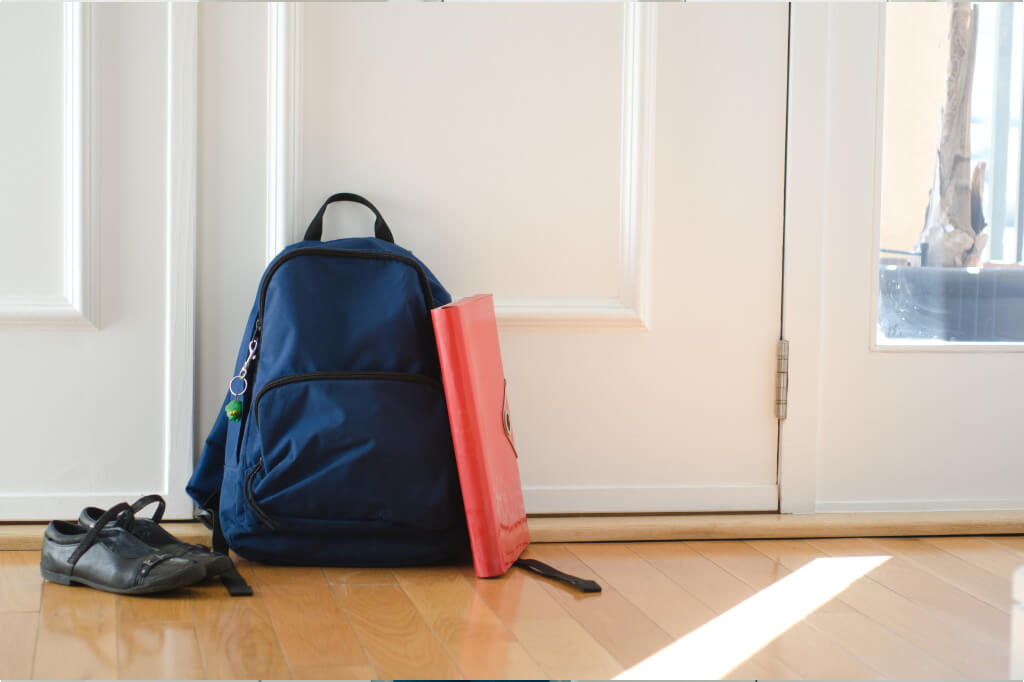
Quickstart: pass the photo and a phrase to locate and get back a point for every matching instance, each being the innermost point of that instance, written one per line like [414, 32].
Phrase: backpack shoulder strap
[204, 485]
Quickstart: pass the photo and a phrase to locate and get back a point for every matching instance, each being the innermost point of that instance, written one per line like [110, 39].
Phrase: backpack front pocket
[353, 446]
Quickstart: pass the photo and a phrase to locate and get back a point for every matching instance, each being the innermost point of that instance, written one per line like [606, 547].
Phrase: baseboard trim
[772, 525]
[635, 528]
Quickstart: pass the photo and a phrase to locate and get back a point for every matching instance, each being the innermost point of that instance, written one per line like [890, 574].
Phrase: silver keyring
[231, 384]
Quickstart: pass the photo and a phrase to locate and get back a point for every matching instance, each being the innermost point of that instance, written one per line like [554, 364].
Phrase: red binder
[475, 389]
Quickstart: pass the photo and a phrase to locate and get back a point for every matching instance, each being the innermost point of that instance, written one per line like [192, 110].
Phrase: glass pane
[950, 255]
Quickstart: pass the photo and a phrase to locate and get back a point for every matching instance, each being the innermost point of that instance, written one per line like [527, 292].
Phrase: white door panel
[581, 163]
[31, 45]
[493, 137]
[94, 414]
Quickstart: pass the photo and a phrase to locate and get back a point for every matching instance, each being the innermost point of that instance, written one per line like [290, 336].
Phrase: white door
[907, 406]
[613, 174]
[96, 256]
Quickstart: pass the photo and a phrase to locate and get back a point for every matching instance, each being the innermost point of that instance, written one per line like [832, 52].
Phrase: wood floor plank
[153, 650]
[963, 574]
[695, 573]
[621, 628]
[747, 564]
[1012, 543]
[885, 651]
[77, 634]
[935, 609]
[20, 582]
[756, 568]
[807, 650]
[480, 644]
[671, 607]
[236, 636]
[156, 637]
[337, 575]
[909, 574]
[881, 648]
[814, 655]
[397, 640]
[996, 559]
[945, 639]
[791, 554]
[336, 672]
[173, 606]
[311, 627]
[17, 645]
[553, 638]
[762, 666]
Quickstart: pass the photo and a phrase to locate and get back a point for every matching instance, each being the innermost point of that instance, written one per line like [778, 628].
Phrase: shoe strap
[146, 500]
[152, 561]
[94, 533]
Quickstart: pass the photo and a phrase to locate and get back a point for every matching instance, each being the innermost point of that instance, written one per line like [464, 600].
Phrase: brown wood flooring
[935, 607]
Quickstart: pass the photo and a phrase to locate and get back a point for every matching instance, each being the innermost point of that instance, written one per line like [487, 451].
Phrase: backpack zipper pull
[233, 409]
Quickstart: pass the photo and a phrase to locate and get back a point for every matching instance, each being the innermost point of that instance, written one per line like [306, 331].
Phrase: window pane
[949, 256]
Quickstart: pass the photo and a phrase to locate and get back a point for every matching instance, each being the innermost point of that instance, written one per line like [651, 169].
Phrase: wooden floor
[837, 608]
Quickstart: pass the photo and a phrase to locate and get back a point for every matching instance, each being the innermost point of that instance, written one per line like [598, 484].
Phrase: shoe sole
[64, 579]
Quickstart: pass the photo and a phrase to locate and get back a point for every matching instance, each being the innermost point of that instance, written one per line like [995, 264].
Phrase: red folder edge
[466, 331]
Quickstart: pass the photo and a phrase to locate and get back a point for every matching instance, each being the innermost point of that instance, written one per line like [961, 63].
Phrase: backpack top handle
[315, 231]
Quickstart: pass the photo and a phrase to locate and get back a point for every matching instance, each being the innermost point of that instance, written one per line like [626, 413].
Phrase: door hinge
[781, 378]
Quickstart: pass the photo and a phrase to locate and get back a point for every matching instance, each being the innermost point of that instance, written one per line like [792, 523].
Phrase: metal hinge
[781, 378]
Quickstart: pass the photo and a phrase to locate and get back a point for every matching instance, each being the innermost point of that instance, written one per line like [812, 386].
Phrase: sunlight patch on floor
[720, 645]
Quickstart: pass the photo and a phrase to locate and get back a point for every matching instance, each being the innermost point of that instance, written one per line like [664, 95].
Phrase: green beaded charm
[233, 410]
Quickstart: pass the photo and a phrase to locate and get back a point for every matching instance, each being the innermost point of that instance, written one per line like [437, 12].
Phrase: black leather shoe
[150, 532]
[108, 557]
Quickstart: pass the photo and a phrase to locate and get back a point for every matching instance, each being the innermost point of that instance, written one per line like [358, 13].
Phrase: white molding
[78, 305]
[283, 124]
[806, 196]
[40, 507]
[639, 60]
[876, 186]
[630, 309]
[644, 499]
[182, 122]
[936, 505]
[558, 311]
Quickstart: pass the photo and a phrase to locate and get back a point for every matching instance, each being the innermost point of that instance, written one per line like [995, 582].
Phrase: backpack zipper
[344, 253]
[250, 498]
[337, 376]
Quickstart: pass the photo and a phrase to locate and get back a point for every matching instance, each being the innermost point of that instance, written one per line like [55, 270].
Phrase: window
[950, 248]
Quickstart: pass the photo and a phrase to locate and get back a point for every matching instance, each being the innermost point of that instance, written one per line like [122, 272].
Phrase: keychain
[234, 408]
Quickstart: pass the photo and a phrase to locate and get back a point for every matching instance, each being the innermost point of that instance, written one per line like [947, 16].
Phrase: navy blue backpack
[334, 447]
